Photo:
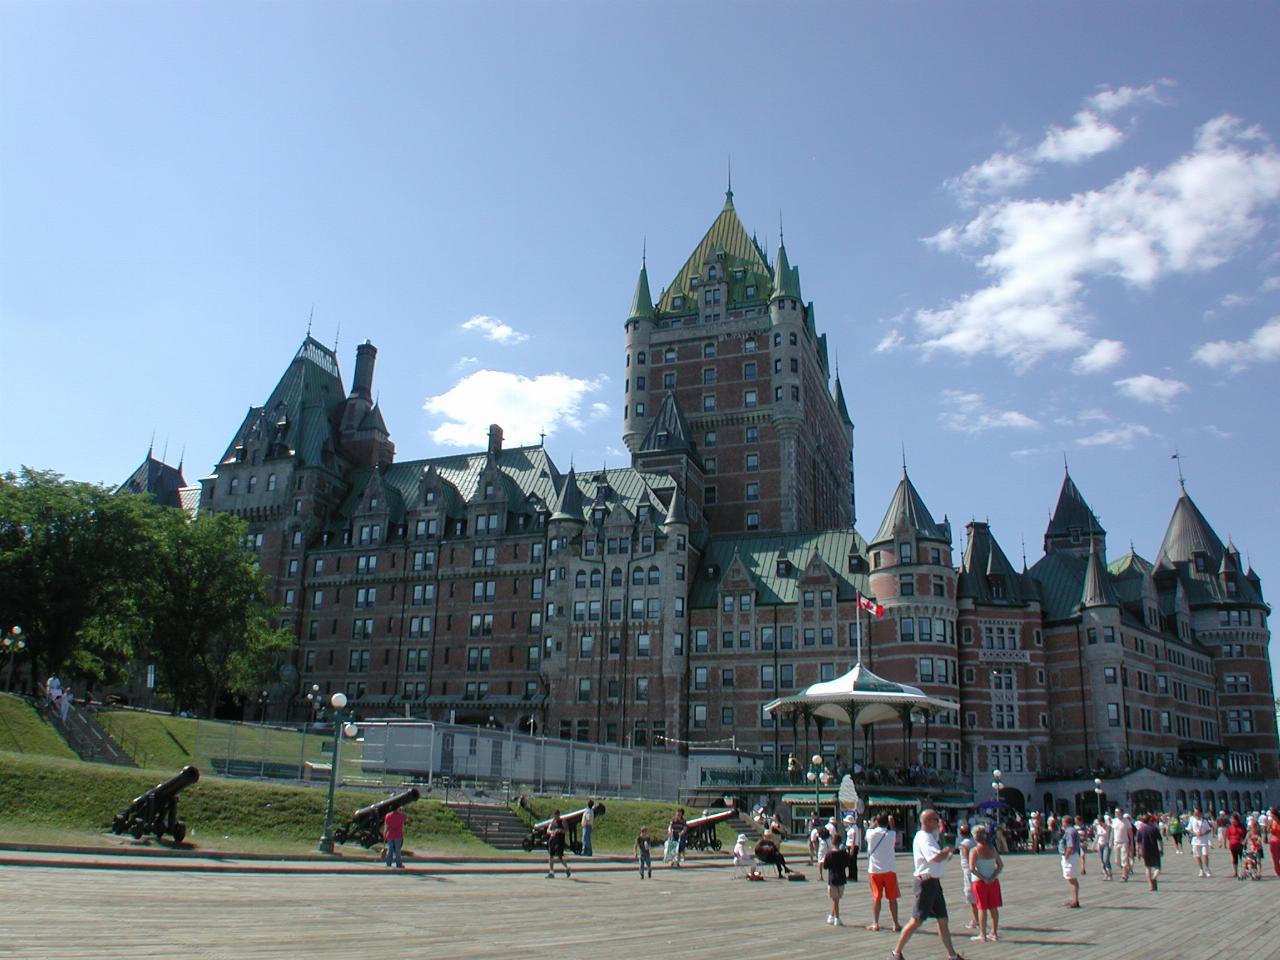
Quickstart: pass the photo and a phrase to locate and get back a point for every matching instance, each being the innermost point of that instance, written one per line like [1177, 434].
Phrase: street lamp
[13, 643]
[997, 785]
[1097, 789]
[340, 728]
[818, 776]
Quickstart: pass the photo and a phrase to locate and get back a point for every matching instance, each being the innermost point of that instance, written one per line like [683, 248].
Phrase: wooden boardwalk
[694, 913]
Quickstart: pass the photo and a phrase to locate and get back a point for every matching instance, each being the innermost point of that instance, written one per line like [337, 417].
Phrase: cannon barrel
[383, 807]
[710, 818]
[171, 787]
[571, 818]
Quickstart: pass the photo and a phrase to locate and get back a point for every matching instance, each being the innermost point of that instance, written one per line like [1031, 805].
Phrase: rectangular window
[907, 630]
[584, 689]
[699, 678]
[767, 677]
[699, 716]
[1113, 714]
[906, 585]
[643, 647]
[726, 677]
[787, 676]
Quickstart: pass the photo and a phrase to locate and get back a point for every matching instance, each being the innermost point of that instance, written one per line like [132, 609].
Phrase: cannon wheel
[527, 844]
[119, 824]
[576, 847]
[137, 829]
[716, 844]
[370, 838]
[179, 831]
[340, 835]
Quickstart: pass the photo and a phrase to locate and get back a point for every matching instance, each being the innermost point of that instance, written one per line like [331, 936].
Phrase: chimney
[495, 440]
[362, 386]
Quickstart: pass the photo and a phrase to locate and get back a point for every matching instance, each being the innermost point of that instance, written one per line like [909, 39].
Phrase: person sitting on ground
[985, 866]
[767, 852]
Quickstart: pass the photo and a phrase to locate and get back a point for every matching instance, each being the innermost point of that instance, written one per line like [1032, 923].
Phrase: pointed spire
[786, 280]
[1189, 533]
[908, 507]
[669, 430]
[1182, 481]
[1072, 521]
[728, 194]
[642, 302]
[841, 407]
[1097, 591]
[675, 512]
[569, 503]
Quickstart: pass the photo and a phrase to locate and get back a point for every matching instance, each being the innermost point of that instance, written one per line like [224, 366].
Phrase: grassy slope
[41, 798]
[23, 730]
[616, 831]
[157, 740]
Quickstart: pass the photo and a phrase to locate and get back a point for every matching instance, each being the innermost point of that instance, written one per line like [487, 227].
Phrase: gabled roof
[158, 479]
[759, 554]
[1072, 512]
[669, 429]
[984, 563]
[1189, 535]
[741, 252]
[907, 507]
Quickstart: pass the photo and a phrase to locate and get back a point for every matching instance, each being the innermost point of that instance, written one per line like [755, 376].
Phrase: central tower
[730, 352]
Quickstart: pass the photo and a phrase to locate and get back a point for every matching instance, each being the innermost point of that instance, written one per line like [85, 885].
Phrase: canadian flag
[866, 603]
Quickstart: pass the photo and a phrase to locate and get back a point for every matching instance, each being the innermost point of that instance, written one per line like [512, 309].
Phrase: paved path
[601, 913]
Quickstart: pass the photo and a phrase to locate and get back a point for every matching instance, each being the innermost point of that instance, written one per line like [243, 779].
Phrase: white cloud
[1233, 300]
[999, 173]
[523, 406]
[890, 341]
[1151, 389]
[1122, 436]
[463, 362]
[1217, 432]
[1111, 101]
[1270, 285]
[1190, 216]
[1262, 346]
[1103, 355]
[1088, 137]
[495, 330]
[969, 413]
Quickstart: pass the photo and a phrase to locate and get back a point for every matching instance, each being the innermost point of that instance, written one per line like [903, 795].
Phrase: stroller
[1251, 863]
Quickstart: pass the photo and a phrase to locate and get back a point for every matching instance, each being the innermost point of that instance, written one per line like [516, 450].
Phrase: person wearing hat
[852, 843]
[743, 856]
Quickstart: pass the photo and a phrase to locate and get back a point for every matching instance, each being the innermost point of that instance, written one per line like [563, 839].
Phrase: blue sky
[1030, 231]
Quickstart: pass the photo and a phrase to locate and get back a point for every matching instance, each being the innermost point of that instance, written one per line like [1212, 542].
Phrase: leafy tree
[201, 612]
[68, 552]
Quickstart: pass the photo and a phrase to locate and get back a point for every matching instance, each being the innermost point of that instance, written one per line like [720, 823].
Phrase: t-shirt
[881, 856]
[1235, 835]
[1200, 830]
[393, 825]
[588, 817]
[1149, 841]
[1119, 831]
[642, 843]
[923, 849]
[1069, 846]
[837, 864]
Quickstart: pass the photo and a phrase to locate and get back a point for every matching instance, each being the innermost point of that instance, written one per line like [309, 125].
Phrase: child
[836, 863]
[642, 853]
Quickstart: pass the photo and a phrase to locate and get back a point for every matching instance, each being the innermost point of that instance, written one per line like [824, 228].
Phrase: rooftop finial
[310, 317]
[182, 457]
[1024, 552]
[337, 334]
[781, 238]
[1182, 482]
[542, 437]
[644, 252]
[904, 458]
[152, 445]
[1065, 468]
[729, 192]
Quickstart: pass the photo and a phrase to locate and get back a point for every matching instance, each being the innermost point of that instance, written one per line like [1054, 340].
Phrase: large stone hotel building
[664, 603]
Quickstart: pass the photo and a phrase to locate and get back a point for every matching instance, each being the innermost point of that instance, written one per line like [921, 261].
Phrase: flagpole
[859, 630]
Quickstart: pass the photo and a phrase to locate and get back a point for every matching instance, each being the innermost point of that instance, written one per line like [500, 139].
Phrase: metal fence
[438, 756]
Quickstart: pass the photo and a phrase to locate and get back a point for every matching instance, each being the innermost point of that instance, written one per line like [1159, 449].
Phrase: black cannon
[156, 811]
[366, 823]
[701, 832]
[538, 835]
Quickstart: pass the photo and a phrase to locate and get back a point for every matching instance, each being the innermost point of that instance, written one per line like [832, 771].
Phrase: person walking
[1120, 843]
[1069, 849]
[1151, 846]
[678, 831]
[1235, 842]
[555, 846]
[1201, 830]
[882, 871]
[836, 863]
[930, 859]
[1273, 829]
[985, 866]
[644, 852]
[393, 833]
[588, 821]
[1102, 833]
[1176, 830]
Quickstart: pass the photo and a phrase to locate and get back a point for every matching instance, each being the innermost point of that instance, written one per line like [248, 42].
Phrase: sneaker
[837, 922]
[1208, 874]
[551, 876]
[830, 919]
[1200, 874]
[971, 925]
[977, 938]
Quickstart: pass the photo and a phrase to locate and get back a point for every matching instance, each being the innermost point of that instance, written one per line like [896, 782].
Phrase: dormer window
[693, 281]
[739, 276]
[429, 497]
[1075, 534]
[712, 273]
[488, 488]
[373, 501]
[783, 568]
[677, 303]
[1201, 566]
[751, 290]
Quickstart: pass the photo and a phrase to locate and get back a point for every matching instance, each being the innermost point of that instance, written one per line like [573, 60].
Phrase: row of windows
[233, 487]
[750, 463]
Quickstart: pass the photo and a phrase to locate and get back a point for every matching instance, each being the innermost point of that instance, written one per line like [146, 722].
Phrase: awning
[890, 800]
[824, 796]
[954, 804]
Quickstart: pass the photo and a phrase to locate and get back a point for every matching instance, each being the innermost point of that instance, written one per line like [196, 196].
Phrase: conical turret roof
[786, 278]
[642, 302]
[1189, 533]
[1097, 591]
[675, 512]
[907, 507]
[841, 407]
[569, 502]
[1072, 512]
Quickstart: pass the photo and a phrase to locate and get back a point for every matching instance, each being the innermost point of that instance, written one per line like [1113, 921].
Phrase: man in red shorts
[882, 871]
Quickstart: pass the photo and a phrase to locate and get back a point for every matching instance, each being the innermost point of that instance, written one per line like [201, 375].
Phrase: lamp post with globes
[997, 785]
[1097, 789]
[819, 777]
[12, 644]
[341, 727]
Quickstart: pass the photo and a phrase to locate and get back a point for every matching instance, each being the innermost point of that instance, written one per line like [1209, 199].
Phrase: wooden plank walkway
[692, 913]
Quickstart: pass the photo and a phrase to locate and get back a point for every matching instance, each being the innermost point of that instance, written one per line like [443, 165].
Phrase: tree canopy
[102, 584]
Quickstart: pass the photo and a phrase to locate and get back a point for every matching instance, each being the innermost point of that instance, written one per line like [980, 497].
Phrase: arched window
[253, 482]
[271, 481]
[615, 577]
[654, 576]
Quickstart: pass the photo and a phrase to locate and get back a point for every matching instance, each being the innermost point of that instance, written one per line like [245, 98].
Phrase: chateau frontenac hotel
[663, 604]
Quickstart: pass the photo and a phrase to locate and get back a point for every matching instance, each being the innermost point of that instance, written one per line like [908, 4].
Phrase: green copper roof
[1097, 590]
[787, 277]
[840, 404]
[759, 554]
[907, 506]
[642, 302]
[569, 503]
[740, 252]
[985, 565]
[1072, 512]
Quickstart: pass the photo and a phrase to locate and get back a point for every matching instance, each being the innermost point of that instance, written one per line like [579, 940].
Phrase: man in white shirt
[930, 858]
[882, 871]
[588, 822]
[852, 843]
[1201, 830]
[1121, 834]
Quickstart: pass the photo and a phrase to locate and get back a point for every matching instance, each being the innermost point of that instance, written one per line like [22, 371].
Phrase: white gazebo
[861, 698]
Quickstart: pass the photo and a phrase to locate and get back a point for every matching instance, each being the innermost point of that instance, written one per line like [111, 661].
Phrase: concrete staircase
[86, 736]
[494, 823]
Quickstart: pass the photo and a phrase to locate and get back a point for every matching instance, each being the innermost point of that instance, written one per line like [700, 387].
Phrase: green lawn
[23, 730]
[43, 798]
[616, 831]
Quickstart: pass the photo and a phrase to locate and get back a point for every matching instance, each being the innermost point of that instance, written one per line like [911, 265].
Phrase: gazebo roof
[861, 697]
